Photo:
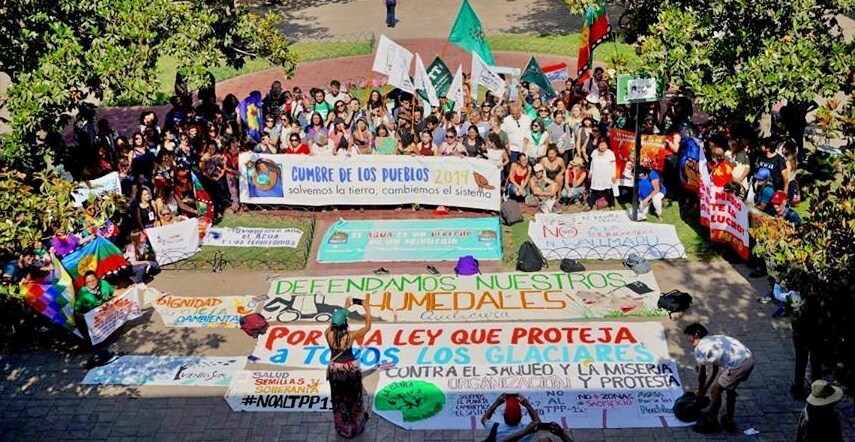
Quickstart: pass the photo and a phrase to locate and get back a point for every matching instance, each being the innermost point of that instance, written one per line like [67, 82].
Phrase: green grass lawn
[274, 258]
[566, 45]
[691, 234]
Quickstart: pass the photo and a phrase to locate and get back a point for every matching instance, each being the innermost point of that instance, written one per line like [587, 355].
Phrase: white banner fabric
[369, 180]
[174, 242]
[252, 237]
[482, 74]
[103, 320]
[105, 184]
[421, 81]
[204, 312]
[575, 395]
[488, 297]
[472, 344]
[292, 390]
[606, 235]
[166, 370]
[455, 91]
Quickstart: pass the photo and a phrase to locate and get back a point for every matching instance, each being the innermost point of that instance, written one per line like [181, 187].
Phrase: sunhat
[823, 393]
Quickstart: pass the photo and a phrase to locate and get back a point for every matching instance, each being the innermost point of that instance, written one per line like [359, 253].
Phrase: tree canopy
[60, 53]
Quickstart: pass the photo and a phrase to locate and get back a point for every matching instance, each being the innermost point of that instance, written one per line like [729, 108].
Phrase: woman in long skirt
[344, 373]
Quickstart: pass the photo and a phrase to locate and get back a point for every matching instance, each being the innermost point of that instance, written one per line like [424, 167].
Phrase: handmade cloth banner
[369, 180]
[174, 242]
[487, 297]
[292, 390]
[53, 297]
[210, 312]
[583, 236]
[109, 183]
[472, 344]
[724, 213]
[577, 395]
[411, 240]
[166, 370]
[252, 237]
[622, 143]
[103, 320]
[98, 255]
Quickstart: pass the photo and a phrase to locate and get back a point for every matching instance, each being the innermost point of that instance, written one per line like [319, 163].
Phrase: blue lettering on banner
[315, 174]
[405, 174]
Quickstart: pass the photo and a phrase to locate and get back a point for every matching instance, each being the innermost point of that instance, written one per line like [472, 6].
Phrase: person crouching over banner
[510, 427]
[141, 257]
[344, 373]
[736, 362]
[93, 293]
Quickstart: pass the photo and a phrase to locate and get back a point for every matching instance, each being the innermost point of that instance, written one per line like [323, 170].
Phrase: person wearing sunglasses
[296, 146]
[452, 145]
[535, 142]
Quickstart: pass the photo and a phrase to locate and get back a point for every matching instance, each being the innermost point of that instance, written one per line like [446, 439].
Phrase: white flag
[394, 60]
[455, 91]
[482, 74]
[422, 81]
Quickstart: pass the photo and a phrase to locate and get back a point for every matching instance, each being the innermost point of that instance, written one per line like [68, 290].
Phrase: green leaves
[108, 49]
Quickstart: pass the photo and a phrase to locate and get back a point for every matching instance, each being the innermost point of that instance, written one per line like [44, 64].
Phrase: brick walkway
[41, 398]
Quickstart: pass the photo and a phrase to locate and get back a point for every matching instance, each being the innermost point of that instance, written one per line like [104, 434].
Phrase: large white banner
[575, 395]
[166, 370]
[292, 390]
[369, 180]
[174, 242]
[603, 235]
[105, 184]
[252, 237]
[206, 312]
[472, 344]
[103, 320]
[488, 297]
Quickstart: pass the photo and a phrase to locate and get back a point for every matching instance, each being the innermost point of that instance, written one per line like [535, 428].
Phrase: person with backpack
[735, 362]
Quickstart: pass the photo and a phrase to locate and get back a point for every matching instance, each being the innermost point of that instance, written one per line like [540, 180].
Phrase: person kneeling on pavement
[93, 294]
[511, 428]
[735, 362]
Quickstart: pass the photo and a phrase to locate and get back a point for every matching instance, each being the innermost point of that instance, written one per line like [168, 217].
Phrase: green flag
[440, 76]
[533, 74]
[469, 35]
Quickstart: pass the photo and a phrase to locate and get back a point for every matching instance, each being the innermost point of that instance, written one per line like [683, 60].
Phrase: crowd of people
[552, 153]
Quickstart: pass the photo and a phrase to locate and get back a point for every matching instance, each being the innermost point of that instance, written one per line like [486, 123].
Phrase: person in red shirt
[722, 170]
[296, 146]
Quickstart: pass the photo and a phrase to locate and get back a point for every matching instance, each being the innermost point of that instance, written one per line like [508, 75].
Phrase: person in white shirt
[515, 126]
[602, 174]
[322, 146]
[335, 94]
[736, 363]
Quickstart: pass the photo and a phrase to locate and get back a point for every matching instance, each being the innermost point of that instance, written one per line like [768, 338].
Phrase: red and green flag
[99, 255]
[468, 33]
[594, 31]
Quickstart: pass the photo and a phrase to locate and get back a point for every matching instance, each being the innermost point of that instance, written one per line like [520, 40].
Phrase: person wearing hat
[779, 204]
[510, 427]
[592, 106]
[764, 191]
[344, 373]
[819, 420]
[543, 190]
[727, 356]
[574, 182]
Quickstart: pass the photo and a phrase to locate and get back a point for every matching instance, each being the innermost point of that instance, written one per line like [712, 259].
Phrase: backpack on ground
[689, 407]
[674, 301]
[529, 258]
[638, 264]
[467, 266]
[511, 213]
[254, 324]
[571, 265]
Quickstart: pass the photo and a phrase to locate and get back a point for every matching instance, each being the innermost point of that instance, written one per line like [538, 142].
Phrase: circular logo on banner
[86, 264]
[416, 400]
